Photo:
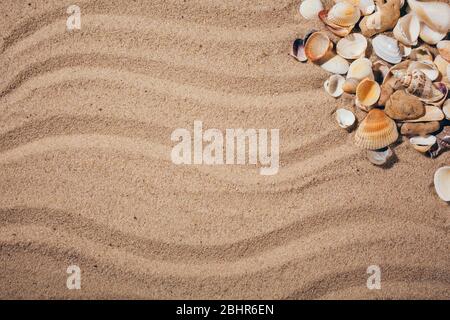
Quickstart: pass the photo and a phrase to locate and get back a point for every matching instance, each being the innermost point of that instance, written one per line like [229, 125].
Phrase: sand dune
[86, 176]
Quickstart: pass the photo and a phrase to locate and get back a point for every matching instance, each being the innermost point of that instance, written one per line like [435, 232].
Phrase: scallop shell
[442, 183]
[444, 49]
[309, 9]
[446, 109]
[436, 15]
[352, 46]
[422, 144]
[407, 29]
[387, 49]
[345, 118]
[350, 85]
[379, 157]
[376, 131]
[427, 67]
[368, 92]
[360, 69]
[430, 36]
[432, 113]
[318, 47]
[337, 64]
[333, 85]
[344, 14]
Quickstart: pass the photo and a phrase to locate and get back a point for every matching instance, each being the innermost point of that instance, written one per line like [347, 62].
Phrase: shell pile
[392, 57]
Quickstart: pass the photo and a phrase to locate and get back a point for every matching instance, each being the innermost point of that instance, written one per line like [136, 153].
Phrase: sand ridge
[86, 176]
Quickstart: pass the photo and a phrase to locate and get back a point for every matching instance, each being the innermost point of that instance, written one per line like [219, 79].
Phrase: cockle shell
[345, 118]
[352, 46]
[429, 35]
[376, 131]
[407, 29]
[432, 113]
[340, 31]
[368, 93]
[442, 183]
[387, 49]
[360, 69]
[385, 18]
[309, 9]
[350, 85]
[427, 67]
[318, 47]
[422, 144]
[444, 49]
[435, 15]
[344, 14]
[333, 85]
[379, 157]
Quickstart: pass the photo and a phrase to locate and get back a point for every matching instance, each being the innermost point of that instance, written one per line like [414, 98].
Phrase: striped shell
[376, 131]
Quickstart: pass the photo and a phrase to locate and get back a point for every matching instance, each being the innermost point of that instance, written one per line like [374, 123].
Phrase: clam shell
[352, 46]
[333, 85]
[337, 65]
[407, 29]
[442, 183]
[446, 109]
[309, 9]
[350, 85]
[427, 67]
[318, 47]
[379, 157]
[376, 131]
[432, 113]
[360, 69]
[387, 49]
[368, 92]
[340, 31]
[431, 36]
[344, 14]
[444, 49]
[422, 144]
[436, 15]
[345, 118]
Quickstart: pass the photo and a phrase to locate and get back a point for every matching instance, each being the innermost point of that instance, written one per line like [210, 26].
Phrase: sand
[86, 177]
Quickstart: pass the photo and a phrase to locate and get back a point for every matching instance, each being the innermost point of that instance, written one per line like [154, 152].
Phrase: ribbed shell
[376, 131]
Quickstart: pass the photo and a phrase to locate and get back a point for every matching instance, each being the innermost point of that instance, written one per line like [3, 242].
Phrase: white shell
[345, 118]
[446, 109]
[430, 36]
[337, 65]
[366, 6]
[344, 14]
[360, 69]
[434, 14]
[407, 30]
[309, 9]
[387, 49]
[427, 67]
[379, 157]
[352, 46]
[422, 144]
[333, 85]
[442, 183]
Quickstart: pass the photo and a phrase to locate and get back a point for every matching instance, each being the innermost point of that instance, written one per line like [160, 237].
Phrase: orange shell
[376, 131]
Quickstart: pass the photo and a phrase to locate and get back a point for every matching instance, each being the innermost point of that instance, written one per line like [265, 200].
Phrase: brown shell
[376, 131]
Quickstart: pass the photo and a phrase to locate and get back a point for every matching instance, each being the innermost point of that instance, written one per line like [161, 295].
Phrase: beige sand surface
[86, 176]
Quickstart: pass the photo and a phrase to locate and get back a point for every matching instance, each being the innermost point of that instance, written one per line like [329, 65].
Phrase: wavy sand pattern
[86, 176]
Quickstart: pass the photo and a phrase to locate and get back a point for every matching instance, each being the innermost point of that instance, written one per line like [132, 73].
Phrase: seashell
[446, 109]
[439, 94]
[381, 70]
[429, 35]
[333, 85]
[350, 85]
[318, 47]
[385, 18]
[404, 106]
[298, 50]
[345, 118]
[407, 29]
[344, 14]
[337, 64]
[418, 84]
[443, 143]
[368, 92]
[392, 81]
[309, 9]
[352, 46]
[366, 6]
[387, 49]
[444, 49]
[427, 67]
[376, 131]
[442, 183]
[436, 15]
[421, 53]
[422, 144]
[432, 113]
[419, 129]
[340, 31]
[379, 157]
[360, 69]
[441, 65]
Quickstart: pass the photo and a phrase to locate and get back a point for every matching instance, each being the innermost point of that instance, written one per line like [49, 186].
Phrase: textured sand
[86, 176]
